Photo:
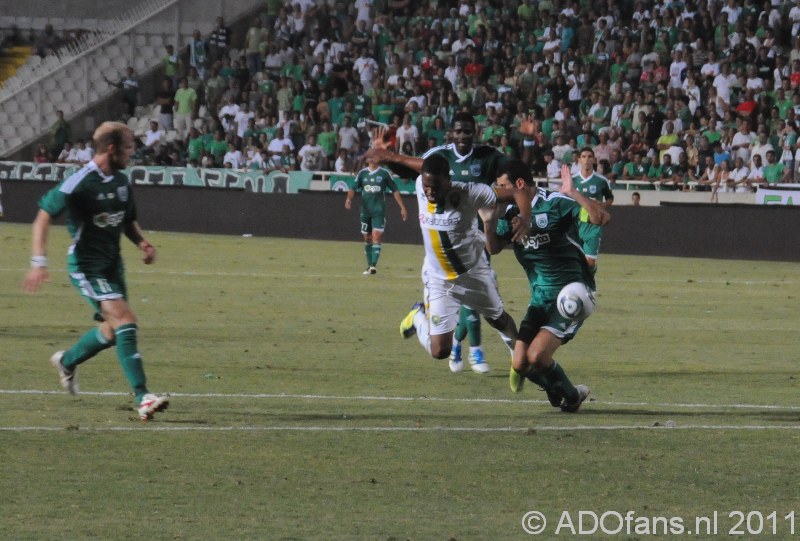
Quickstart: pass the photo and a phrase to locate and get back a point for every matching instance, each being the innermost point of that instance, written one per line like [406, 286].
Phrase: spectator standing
[129, 84]
[219, 40]
[252, 44]
[60, 133]
[165, 104]
[171, 63]
[185, 100]
[198, 55]
[348, 136]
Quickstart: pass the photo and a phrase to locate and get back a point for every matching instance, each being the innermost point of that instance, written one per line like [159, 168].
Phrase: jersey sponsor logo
[439, 222]
[106, 219]
[122, 192]
[541, 220]
[537, 240]
[368, 188]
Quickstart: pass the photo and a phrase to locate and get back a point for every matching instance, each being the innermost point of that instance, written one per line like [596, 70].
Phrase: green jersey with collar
[552, 254]
[373, 185]
[479, 165]
[594, 187]
[98, 207]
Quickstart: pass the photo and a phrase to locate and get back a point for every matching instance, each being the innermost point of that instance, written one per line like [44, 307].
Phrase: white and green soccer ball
[576, 301]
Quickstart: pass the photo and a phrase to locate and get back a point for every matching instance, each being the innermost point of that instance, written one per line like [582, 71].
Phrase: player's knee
[540, 359]
[440, 351]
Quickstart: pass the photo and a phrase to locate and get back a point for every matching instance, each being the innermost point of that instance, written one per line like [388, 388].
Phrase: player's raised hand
[567, 187]
[379, 139]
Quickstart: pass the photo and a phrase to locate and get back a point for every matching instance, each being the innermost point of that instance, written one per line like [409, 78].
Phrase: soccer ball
[576, 301]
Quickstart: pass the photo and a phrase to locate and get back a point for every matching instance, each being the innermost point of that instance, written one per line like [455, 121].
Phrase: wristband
[38, 261]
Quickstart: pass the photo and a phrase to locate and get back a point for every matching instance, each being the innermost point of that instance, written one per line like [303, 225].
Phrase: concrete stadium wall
[754, 232]
[202, 10]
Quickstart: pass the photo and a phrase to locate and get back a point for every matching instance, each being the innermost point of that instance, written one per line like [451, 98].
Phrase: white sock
[423, 330]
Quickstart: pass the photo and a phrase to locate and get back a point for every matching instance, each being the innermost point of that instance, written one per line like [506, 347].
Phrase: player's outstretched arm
[379, 151]
[38, 275]
[597, 214]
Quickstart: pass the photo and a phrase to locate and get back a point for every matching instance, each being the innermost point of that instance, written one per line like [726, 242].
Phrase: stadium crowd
[681, 94]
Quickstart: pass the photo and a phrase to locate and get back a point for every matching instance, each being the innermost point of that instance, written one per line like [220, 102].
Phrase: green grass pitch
[299, 413]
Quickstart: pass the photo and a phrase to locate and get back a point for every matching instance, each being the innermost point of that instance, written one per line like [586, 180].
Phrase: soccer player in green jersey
[552, 257]
[594, 186]
[372, 182]
[100, 208]
[468, 163]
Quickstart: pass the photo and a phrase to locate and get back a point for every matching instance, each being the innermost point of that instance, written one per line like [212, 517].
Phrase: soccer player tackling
[552, 257]
[100, 208]
[456, 269]
[372, 182]
[468, 163]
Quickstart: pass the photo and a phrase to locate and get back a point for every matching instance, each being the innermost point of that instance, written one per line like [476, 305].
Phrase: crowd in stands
[680, 94]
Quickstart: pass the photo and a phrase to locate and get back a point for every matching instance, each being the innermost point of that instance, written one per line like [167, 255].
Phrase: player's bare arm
[403, 210]
[597, 214]
[134, 233]
[494, 244]
[37, 275]
[522, 198]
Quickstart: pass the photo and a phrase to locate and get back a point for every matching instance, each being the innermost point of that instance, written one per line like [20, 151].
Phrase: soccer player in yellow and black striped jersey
[456, 268]
[468, 163]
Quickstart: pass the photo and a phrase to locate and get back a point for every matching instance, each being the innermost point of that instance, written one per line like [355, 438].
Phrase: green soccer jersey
[773, 172]
[551, 255]
[373, 185]
[478, 165]
[195, 148]
[98, 208]
[594, 187]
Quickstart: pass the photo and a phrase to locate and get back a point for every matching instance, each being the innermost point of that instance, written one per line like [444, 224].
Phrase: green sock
[87, 346]
[559, 381]
[473, 326]
[368, 253]
[131, 361]
[376, 253]
[538, 379]
[461, 328]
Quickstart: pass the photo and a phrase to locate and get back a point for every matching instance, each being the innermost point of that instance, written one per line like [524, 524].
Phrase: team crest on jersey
[541, 220]
[475, 169]
[122, 193]
[592, 189]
